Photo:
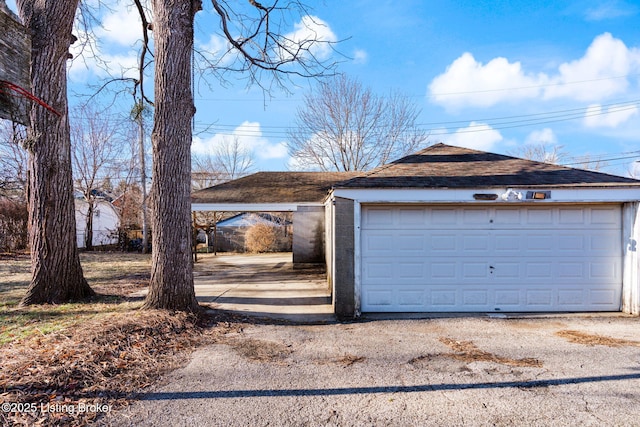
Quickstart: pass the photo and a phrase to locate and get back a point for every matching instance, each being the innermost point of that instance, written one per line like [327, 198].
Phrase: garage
[450, 229]
[485, 259]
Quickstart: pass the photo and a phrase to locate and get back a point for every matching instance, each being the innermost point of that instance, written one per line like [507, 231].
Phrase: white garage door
[486, 259]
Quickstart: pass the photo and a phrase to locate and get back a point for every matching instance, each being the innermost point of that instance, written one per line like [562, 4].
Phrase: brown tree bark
[88, 232]
[171, 284]
[55, 263]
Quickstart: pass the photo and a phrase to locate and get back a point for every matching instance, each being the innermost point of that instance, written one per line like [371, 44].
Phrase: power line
[496, 123]
[533, 86]
[515, 88]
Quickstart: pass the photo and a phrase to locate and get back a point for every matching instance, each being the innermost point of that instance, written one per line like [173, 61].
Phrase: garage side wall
[308, 235]
[344, 269]
[631, 260]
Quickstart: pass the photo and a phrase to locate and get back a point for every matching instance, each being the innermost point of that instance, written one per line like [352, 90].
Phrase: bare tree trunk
[143, 182]
[171, 284]
[88, 236]
[55, 262]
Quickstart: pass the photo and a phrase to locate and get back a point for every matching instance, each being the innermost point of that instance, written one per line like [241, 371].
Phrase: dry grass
[261, 351]
[593, 339]
[349, 359]
[467, 352]
[113, 275]
[90, 352]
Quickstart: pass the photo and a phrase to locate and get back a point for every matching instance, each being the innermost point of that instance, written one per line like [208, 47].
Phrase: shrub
[260, 238]
[13, 225]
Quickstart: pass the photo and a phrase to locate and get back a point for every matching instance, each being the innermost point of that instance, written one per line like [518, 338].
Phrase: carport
[302, 193]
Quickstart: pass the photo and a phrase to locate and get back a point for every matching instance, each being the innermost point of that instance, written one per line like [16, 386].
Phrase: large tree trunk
[171, 284]
[56, 272]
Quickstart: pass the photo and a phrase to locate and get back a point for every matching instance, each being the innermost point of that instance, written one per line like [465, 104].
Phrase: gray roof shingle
[445, 166]
[273, 187]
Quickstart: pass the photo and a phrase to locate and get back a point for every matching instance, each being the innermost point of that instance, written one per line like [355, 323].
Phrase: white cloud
[311, 34]
[108, 50]
[89, 61]
[122, 26]
[610, 117]
[218, 51]
[609, 10]
[602, 72]
[478, 136]
[543, 136]
[603, 68]
[251, 139]
[469, 82]
[360, 56]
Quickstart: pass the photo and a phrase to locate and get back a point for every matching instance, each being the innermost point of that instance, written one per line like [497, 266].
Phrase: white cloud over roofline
[542, 136]
[251, 139]
[611, 117]
[600, 73]
[477, 136]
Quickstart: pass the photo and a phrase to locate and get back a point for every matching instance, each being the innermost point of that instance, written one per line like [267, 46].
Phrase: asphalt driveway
[462, 371]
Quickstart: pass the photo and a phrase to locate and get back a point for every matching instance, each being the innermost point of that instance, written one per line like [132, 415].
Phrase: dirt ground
[460, 371]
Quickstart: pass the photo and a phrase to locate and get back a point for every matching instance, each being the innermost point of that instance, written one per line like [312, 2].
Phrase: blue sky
[489, 75]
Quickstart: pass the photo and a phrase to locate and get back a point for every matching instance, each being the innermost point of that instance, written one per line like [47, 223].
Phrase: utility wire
[496, 123]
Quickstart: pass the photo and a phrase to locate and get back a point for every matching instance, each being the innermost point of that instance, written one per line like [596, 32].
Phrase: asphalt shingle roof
[437, 166]
[445, 166]
[273, 187]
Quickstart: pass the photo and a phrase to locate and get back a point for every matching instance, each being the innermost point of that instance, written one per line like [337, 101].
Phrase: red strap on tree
[26, 94]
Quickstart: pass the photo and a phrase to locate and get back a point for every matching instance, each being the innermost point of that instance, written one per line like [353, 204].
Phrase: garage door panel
[604, 243]
[411, 217]
[475, 297]
[508, 298]
[475, 270]
[377, 243]
[508, 243]
[606, 216]
[473, 242]
[491, 259]
[443, 216]
[603, 297]
[443, 243]
[539, 242]
[539, 217]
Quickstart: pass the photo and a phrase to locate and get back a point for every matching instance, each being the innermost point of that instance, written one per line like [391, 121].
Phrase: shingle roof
[273, 187]
[445, 166]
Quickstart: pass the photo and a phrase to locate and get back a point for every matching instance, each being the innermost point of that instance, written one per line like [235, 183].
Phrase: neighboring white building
[105, 222]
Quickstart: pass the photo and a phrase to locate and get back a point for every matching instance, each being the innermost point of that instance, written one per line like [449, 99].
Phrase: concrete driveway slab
[264, 285]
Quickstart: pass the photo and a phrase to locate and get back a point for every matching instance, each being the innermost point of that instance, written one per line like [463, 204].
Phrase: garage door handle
[491, 268]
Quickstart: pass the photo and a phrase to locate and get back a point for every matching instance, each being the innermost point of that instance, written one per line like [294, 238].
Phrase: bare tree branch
[344, 126]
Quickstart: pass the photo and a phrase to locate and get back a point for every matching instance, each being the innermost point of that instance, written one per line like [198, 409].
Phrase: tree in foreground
[344, 126]
[255, 43]
[55, 263]
[171, 285]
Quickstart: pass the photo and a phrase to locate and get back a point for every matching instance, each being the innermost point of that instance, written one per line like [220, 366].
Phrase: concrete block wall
[344, 268]
[308, 235]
